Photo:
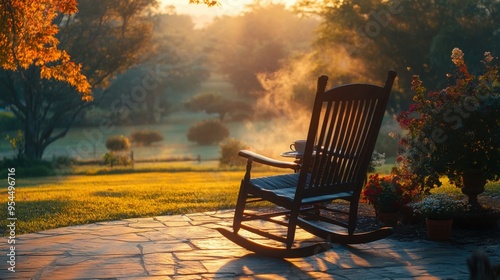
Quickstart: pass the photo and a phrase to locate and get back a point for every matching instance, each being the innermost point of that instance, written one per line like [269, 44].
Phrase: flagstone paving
[189, 247]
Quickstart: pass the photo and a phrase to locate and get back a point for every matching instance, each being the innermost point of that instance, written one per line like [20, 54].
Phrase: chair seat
[283, 187]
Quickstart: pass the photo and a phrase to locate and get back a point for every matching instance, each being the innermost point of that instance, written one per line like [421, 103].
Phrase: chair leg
[353, 216]
[240, 206]
[292, 226]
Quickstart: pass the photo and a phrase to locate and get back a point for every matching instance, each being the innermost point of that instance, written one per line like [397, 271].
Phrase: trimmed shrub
[229, 152]
[146, 137]
[118, 143]
[208, 132]
[113, 159]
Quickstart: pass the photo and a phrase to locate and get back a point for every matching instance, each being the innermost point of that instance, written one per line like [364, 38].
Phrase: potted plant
[438, 211]
[386, 196]
[455, 131]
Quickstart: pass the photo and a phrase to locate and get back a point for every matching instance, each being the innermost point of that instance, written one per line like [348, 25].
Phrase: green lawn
[155, 189]
[51, 202]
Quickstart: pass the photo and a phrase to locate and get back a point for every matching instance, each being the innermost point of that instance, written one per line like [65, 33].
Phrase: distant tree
[214, 103]
[146, 137]
[208, 132]
[172, 67]
[257, 41]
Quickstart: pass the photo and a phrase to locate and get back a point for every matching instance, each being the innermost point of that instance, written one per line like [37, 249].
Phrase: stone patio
[189, 247]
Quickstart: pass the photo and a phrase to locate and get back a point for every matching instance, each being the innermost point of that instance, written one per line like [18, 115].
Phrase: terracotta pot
[388, 219]
[439, 230]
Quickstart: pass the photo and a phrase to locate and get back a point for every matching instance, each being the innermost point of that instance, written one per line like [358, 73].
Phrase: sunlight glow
[203, 15]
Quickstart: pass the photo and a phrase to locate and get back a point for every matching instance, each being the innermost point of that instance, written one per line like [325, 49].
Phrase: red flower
[399, 158]
[384, 193]
[413, 107]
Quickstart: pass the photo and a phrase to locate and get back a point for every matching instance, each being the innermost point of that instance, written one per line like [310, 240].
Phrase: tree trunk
[32, 148]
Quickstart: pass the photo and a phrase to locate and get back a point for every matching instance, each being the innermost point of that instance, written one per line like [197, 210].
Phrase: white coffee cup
[298, 146]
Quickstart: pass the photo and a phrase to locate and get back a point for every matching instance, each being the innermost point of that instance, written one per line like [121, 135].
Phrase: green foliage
[118, 143]
[8, 121]
[492, 188]
[411, 37]
[229, 152]
[37, 168]
[208, 132]
[385, 193]
[453, 130]
[17, 143]
[146, 137]
[28, 168]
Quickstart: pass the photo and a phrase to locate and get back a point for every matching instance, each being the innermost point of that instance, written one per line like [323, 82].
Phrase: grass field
[51, 202]
[153, 189]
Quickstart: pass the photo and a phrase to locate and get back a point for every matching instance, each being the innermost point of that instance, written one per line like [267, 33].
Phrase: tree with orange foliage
[53, 55]
[27, 37]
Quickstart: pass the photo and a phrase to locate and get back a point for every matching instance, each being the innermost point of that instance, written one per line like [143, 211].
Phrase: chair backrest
[344, 127]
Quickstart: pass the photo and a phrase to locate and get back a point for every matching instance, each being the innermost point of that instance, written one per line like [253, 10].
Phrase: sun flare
[203, 15]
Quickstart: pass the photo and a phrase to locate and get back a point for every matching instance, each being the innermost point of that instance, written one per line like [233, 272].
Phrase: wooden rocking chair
[344, 126]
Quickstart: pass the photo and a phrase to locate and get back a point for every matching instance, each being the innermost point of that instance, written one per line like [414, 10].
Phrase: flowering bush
[439, 206]
[454, 129]
[384, 193]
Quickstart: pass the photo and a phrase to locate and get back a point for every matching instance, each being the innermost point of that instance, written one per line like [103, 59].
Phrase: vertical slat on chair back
[342, 135]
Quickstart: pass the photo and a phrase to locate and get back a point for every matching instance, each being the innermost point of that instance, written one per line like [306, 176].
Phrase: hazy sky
[202, 14]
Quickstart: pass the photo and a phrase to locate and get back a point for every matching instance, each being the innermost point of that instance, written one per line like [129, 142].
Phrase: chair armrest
[251, 156]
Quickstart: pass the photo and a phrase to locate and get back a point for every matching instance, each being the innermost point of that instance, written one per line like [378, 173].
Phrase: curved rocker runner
[305, 251]
[341, 138]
